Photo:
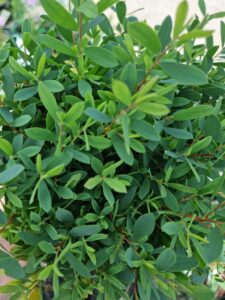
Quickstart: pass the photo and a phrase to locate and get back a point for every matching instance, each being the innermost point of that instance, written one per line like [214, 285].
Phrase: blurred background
[153, 11]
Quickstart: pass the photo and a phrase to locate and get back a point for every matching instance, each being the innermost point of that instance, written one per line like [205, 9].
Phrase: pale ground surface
[155, 11]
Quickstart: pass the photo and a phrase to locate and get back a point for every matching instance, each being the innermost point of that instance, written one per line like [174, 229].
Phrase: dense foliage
[112, 155]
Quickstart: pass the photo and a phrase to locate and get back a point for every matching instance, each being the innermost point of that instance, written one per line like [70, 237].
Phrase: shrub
[112, 156]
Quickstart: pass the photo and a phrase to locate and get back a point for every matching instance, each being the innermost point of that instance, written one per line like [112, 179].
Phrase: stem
[80, 31]
[60, 141]
[34, 191]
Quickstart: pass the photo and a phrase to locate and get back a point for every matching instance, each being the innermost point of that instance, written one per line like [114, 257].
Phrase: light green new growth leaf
[180, 19]
[6, 147]
[144, 35]
[194, 112]
[89, 9]
[122, 92]
[202, 144]
[116, 185]
[154, 109]
[74, 113]
[197, 33]
[58, 14]
[93, 182]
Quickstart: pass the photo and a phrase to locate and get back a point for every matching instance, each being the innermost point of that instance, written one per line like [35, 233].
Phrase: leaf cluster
[112, 155]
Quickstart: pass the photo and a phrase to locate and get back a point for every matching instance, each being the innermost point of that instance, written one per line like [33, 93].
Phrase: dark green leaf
[85, 230]
[44, 197]
[11, 173]
[101, 56]
[143, 227]
[184, 74]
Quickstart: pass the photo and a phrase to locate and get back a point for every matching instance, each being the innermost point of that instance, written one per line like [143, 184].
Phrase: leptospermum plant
[112, 156]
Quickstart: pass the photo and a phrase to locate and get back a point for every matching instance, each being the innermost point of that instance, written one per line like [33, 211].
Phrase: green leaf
[181, 134]
[25, 94]
[44, 197]
[129, 76]
[183, 188]
[202, 292]
[20, 69]
[166, 260]
[29, 151]
[145, 130]
[99, 142]
[97, 115]
[172, 228]
[122, 92]
[214, 248]
[143, 227]
[84, 88]
[202, 144]
[101, 56]
[183, 263]
[181, 16]
[11, 173]
[89, 9]
[14, 199]
[46, 247]
[184, 74]
[81, 157]
[54, 172]
[144, 35]
[21, 121]
[58, 14]
[212, 127]
[165, 31]
[41, 134]
[154, 109]
[92, 182]
[116, 185]
[6, 147]
[57, 45]
[41, 65]
[171, 201]
[121, 11]
[202, 6]
[64, 216]
[53, 86]
[74, 113]
[77, 265]
[48, 100]
[104, 4]
[108, 194]
[85, 230]
[222, 33]
[194, 112]
[11, 267]
[125, 122]
[119, 146]
[197, 33]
